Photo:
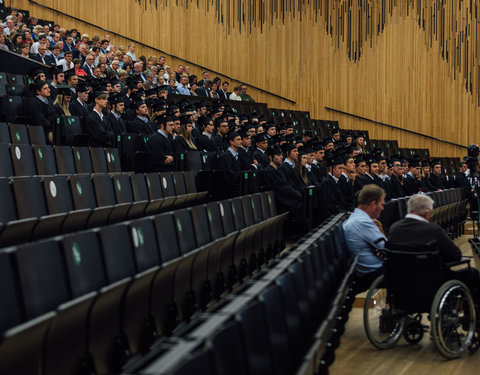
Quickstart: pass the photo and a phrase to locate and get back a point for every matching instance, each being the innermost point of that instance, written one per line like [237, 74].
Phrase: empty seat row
[273, 325]
[22, 134]
[39, 207]
[114, 290]
[26, 160]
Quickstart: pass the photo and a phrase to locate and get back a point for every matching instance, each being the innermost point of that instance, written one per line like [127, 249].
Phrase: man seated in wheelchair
[415, 277]
[415, 233]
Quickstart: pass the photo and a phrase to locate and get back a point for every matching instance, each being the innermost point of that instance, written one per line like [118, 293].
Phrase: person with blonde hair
[185, 140]
[62, 101]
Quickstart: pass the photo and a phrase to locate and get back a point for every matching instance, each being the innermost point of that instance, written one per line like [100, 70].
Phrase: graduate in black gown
[41, 110]
[261, 144]
[245, 152]
[287, 198]
[436, 180]
[331, 200]
[117, 106]
[412, 184]
[96, 124]
[230, 164]
[160, 145]
[288, 169]
[345, 183]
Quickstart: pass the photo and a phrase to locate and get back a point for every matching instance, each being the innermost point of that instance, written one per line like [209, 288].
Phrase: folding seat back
[257, 346]
[44, 160]
[14, 109]
[257, 208]
[99, 160]
[66, 129]
[113, 160]
[179, 183]
[26, 188]
[104, 191]
[194, 161]
[11, 313]
[6, 165]
[42, 277]
[167, 237]
[238, 215]
[16, 80]
[36, 135]
[264, 205]
[4, 132]
[185, 231]
[228, 361]
[8, 211]
[22, 158]
[139, 187]
[247, 210]
[201, 225]
[190, 184]
[167, 184]
[3, 77]
[155, 190]
[286, 284]
[214, 220]
[123, 188]
[226, 214]
[64, 158]
[57, 193]
[117, 252]
[19, 134]
[272, 304]
[84, 263]
[144, 243]
[298, 271]
[200, 363]
[82, 192]
[83, 162]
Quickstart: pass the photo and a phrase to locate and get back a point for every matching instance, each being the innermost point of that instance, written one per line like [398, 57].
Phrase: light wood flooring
[356, 356]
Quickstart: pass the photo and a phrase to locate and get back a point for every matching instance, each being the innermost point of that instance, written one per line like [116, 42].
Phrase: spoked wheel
[452, 319]
[475, 344]
[414, 330]
[383, 323]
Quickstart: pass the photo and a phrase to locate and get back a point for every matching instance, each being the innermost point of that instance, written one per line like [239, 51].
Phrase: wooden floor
[356, 356]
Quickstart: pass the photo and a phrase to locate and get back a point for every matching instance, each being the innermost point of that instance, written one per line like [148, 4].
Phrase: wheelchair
[412, 285]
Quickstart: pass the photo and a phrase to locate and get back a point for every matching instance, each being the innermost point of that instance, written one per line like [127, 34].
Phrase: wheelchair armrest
[458, 262]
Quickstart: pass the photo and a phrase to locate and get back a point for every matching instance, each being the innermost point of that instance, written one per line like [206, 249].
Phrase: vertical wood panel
[411, 63]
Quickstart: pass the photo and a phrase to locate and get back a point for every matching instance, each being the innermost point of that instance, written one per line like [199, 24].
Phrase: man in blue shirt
[363, 237]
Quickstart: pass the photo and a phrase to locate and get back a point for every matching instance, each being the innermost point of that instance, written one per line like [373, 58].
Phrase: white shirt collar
[416, 217]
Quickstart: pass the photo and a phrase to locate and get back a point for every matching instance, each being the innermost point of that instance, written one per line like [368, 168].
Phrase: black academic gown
[232, 169]
[101, 135]
[436, 182]
[291, 174]
[411, 185]
[159, 148]
[461, 181]
[397, 187]
[287, 198]
[319, 172]
[81, 111]
[206, 144]
[118, 126]
[182, 146]
[245, 157]
[347, 192]
[331, 201]
[43, 114]
[261, 157]
[138, 126]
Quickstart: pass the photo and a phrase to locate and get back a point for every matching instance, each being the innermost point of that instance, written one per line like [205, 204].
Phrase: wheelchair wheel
[452, 319]
[383, 323]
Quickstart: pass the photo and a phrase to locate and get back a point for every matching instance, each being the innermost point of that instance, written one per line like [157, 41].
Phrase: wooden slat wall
[413, 64]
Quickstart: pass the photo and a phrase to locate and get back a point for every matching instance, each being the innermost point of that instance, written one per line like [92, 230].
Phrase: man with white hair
[415, 231]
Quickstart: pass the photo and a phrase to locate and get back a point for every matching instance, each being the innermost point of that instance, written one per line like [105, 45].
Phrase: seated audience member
[235, 95]
[204, 88]
[67, 62]
[58, 77]
[243, 94]
[172, 89]
[97, 126]
[62, 101]
[184, 140]
[415, 232]
[205, 140]
[412, 184]
[117, 105]
[160, 144]
[245, 152]
[260, 153]
[41, 110]
[363, 237]
[182, 87]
